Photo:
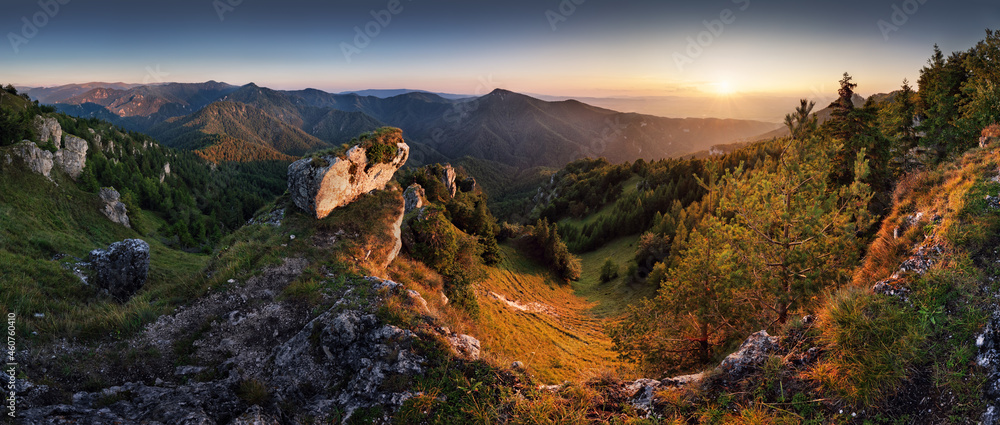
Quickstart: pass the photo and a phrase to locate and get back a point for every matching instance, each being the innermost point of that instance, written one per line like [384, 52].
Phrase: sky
[717, 52]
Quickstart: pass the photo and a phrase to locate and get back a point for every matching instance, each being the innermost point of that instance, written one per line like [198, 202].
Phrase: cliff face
[318, 185]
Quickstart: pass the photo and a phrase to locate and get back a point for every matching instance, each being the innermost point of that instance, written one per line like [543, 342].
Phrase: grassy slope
[612, 297]
[557, 338]
[40, 219]
[561, 334]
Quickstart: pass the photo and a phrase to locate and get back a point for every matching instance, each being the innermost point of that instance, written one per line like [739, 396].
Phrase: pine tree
[802, 123]
[799, 231]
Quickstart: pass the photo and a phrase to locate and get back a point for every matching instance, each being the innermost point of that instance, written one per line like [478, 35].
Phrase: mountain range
[503, 127]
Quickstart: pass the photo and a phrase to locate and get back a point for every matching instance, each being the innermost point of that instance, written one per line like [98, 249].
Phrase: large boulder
[414, 197]
[113, 208]
[122, 268]
[320, 184]
[48, 130]
[73, 156]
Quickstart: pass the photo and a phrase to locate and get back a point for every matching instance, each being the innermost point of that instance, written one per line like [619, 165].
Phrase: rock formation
[318, 185]
[48, 130]
[113, 208]
[397, 239]
[122, 268]
[414, 197]
[70, 155]
[73, 155]
[448, 178]
[37, 159]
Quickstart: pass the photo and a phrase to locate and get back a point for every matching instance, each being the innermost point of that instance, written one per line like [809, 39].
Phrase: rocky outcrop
[748, 358]
[414, 197]
[165, 173]
[464, 345]
[447, 177]
[318, 185]
[48, 130]
[113, 208]
[70, 155]
[122, 268]
[397, 239]
[751, 354]
[73, 156]
[37, 159]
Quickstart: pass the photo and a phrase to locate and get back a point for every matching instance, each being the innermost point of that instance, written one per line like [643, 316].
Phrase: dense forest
[193, 202]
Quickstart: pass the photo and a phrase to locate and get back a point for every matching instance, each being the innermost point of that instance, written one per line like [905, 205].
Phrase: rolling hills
[502, 127]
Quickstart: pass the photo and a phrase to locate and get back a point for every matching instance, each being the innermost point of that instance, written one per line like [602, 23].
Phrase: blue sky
[556, 47]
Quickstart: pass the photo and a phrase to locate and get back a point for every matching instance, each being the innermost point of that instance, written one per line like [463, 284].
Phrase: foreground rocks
[988, 357]
[122, 268]
[751, 355]
[304, 365]
[113, 208]
[318, 185]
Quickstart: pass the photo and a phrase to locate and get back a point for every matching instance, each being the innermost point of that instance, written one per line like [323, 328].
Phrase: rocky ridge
[318, 185]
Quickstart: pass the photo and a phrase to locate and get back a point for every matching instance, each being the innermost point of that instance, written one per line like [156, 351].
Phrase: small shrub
[609, 271]
[252, 392]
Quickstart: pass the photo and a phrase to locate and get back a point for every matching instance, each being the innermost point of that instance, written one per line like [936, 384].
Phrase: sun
[724, 88]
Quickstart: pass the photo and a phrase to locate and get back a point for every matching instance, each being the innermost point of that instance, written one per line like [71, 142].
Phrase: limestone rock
[418, 301]
[448, 178]
[122, 268]
[397, 239]
[464, 345]
[37, 159]
[468, 184]
[73, 155]
[113, 208]
[48, 130]
[751, 354]
[414, 197]
[318, 185]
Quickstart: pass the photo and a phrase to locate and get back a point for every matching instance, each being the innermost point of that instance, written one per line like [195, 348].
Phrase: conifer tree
[800, 231]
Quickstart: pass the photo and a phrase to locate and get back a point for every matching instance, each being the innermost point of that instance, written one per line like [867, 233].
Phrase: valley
[232, 254]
